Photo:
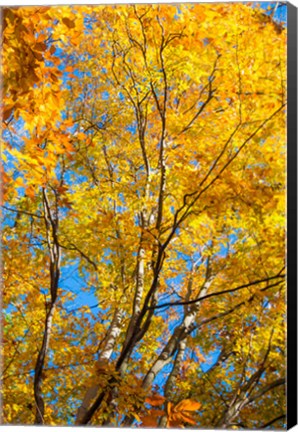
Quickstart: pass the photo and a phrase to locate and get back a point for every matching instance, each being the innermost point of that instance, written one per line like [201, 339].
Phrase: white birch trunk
[104, 357]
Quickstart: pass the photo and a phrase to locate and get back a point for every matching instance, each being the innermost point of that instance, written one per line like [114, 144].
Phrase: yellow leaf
[19, 182]
[30, 192]
[135, 415]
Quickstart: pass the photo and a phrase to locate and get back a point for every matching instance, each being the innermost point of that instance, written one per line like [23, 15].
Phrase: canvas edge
[291, 387]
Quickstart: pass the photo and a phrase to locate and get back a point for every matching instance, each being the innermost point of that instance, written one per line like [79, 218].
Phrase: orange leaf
[157, 413]
[68, 146]
[149, 421]
[81, 136]
[62, 189]
[38, 55]
[7, 112]
[40, 46]
[155, 400]
[53, 77]
[169, 408]
[174, 421]
[68, 22]
[187, 405]
[186, 418]
[30, 192]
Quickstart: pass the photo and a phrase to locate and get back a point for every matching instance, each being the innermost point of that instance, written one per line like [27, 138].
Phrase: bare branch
[267, 388]
[199, 299]
[282, 416]
[23, 212]
[54, 250]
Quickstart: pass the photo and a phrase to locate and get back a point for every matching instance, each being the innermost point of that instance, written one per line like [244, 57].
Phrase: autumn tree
[143, 216]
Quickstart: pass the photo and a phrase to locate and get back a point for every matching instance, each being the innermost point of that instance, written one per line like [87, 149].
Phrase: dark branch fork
[244, 391]
[196, 195]
[210, 96]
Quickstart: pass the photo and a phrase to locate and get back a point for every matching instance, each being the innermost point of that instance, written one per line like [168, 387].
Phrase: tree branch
[282, 416]
[54, 251]
[181, 303]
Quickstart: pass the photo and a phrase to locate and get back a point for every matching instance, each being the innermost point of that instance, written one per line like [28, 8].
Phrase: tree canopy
[144, 216]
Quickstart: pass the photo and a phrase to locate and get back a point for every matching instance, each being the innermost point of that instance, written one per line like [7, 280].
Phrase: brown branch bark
[231, 310]
[242, 397]
[280, 417]
[22, 212]
[54, 251]
[188, 302]
[104, 356]
[267, 388]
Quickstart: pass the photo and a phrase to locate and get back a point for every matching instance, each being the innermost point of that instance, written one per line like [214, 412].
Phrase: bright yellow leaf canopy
[143, 215]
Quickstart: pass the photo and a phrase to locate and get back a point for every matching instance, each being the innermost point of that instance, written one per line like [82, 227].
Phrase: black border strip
[292, 217]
